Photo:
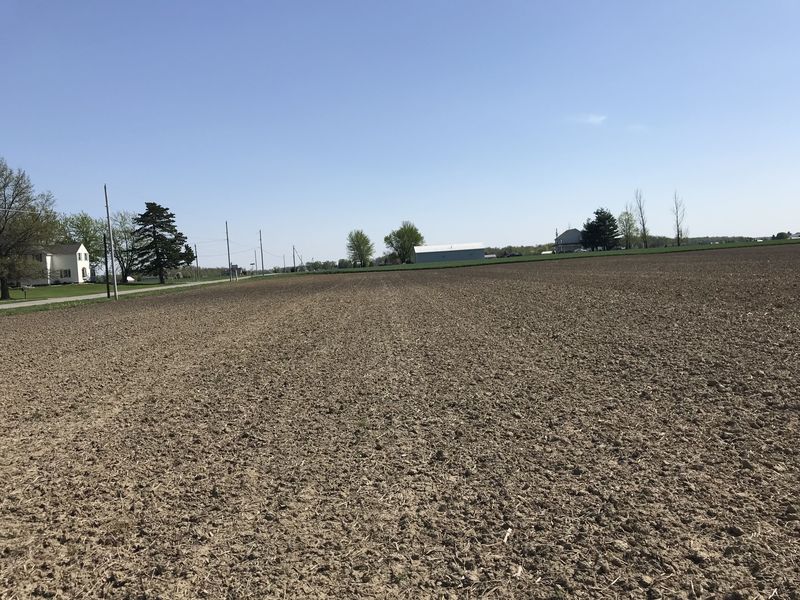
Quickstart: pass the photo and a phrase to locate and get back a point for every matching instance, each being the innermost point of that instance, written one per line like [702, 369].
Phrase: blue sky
[497, 122]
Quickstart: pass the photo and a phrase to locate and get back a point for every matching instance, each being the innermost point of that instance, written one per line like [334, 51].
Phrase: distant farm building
[569, 241]
[235, 272]
[447, 252]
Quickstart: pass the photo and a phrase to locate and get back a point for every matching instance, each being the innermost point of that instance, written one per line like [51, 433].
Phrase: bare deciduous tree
[27, 221]
[627, 226]
[638, 199]
[678, 216]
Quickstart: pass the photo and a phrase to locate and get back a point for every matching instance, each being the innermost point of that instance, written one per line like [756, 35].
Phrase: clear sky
[483, 121]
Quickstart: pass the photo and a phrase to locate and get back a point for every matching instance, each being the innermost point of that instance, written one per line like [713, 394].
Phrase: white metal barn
[447, 252]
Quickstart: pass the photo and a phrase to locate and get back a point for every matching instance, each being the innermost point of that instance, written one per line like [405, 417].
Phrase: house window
[65, 273]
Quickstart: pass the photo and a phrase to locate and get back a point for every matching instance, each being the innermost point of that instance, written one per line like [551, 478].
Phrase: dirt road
[10, 305]
[619, 427]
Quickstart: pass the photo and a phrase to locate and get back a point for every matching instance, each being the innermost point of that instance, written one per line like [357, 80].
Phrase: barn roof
[446, 247]
[569, 236]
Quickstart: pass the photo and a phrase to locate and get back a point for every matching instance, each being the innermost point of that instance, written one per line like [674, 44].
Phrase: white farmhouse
[68, 263]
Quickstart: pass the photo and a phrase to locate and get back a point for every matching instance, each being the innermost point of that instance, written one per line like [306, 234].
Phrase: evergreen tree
[159, 245]
[589, 235]
[188, 255]
[601, 232]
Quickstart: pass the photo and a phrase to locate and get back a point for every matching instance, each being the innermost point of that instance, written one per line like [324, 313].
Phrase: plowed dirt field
[606, 427]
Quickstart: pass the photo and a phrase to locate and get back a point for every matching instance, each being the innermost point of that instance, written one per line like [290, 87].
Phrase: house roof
[447, 247]
[568, 236]
[63, 249]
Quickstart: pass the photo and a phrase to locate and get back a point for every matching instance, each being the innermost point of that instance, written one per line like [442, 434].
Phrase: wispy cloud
[589, 119]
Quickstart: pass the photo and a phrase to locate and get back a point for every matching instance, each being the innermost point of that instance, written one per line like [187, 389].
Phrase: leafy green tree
[159, 244]
[27, 222]
[782, 235]
[123, 224]
[359, 247]
[344, 263]
[601, 232]
[402, 241]
[82, 228]
[390, 258]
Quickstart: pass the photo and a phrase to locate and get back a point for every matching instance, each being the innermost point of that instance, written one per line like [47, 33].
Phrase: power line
[19, 210]
[211, 241]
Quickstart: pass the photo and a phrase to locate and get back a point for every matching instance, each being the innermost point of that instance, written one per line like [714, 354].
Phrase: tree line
[146, 243]
[631, 229]
[399, 242]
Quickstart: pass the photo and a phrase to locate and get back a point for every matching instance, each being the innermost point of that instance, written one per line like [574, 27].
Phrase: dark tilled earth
[610, 427]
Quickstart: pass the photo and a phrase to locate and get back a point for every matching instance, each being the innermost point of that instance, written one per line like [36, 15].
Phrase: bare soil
[610, 427]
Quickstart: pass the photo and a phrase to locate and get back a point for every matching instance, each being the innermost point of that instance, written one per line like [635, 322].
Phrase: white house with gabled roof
[66, 263]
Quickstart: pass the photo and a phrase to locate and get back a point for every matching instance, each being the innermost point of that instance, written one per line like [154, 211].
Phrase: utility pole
[228, 242]
[294, 265]
[111, 243]
[197, 263]
[284, 263]
[261, 244]
[105, 254]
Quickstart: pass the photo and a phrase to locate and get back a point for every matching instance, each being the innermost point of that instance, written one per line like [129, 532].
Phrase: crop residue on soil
[616, 427]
